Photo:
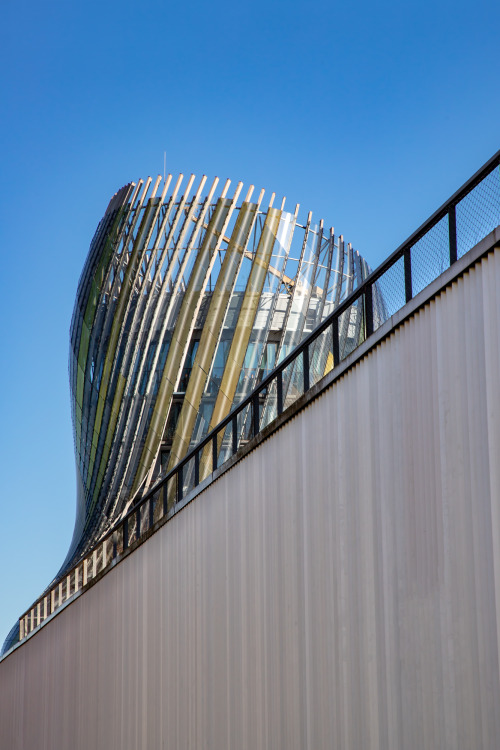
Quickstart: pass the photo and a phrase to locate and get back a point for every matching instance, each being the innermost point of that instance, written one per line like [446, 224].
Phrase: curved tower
[188, 296]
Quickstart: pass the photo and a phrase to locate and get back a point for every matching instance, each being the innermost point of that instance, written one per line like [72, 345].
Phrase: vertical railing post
[369, 310]
[151, 511]
[335, 340]
[138, 522]
[279, 392]
[255, 413]
[305, 367]
[164, 495]
[452, 226]
[408, 279]
[235, 433]
[214, 452]
[180, 483]
[196, 468]
[125, 533]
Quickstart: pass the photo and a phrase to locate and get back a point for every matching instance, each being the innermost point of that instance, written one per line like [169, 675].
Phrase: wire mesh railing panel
[351, 328]
[258, 407]
[293, 381]
[269, 411]
[119, 540]
[61, 591]
[78, 577]
[106, 552]
[225, 438]
[99, 562]
[478, 213]
[86, 573]
[253, 427]
[206, 461]
[129, 529]
[321, 356]
[430, 256]
[90, 566]
[144, 518]
[69, 586]
[188, 476]
[170, 493]
[157, 502]
[388, 293]
[244, 425]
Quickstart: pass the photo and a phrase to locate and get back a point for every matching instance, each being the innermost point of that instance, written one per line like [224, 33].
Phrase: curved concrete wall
[339, 587]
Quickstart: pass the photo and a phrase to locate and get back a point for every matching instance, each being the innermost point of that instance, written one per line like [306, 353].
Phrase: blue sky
[370, 115]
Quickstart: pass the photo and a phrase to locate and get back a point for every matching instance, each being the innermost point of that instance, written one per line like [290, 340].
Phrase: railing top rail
[360, 291]
[466, 188]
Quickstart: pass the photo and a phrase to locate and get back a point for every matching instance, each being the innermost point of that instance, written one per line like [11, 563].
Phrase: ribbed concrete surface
[338, 588]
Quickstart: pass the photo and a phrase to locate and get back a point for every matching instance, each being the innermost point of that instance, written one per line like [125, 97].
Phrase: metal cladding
[187, 299]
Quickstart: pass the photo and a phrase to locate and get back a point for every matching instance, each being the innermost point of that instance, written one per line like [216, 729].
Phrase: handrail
[275, 392]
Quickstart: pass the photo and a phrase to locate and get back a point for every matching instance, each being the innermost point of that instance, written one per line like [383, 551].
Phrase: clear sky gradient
[369, 114]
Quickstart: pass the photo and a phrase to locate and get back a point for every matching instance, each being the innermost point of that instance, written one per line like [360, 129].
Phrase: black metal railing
[466, 218]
